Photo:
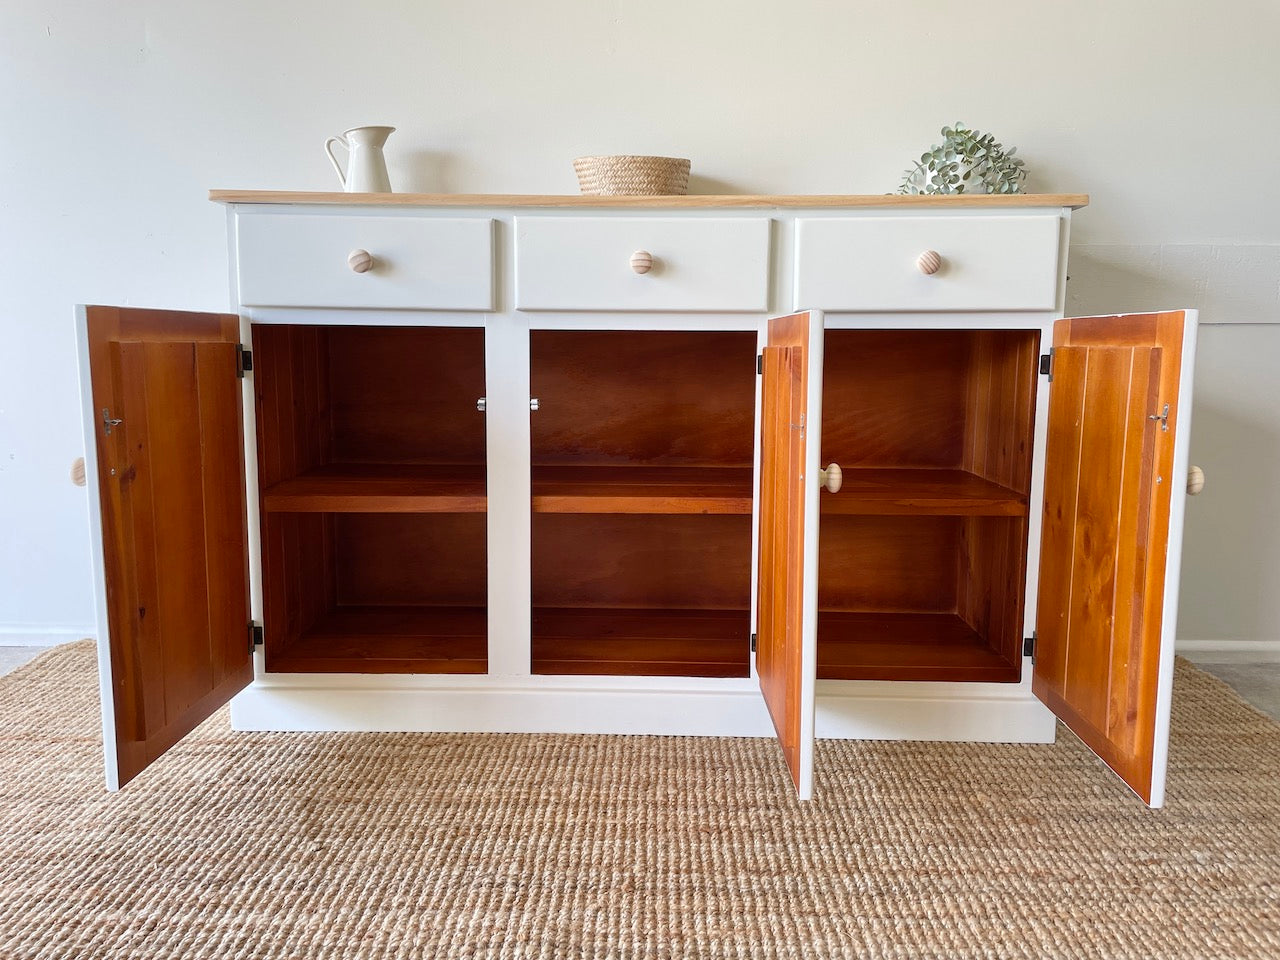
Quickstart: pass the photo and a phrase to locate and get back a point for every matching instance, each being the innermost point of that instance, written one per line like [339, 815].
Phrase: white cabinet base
[881, 710]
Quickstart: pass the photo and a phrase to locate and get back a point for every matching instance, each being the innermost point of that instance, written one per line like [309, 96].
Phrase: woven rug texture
[327, 846]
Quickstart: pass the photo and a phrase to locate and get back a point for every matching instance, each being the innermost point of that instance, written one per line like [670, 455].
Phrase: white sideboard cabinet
[749, 466]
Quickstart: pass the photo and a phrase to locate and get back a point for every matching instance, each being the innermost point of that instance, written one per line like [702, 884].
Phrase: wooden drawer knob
[831, 478]
[1195, 480]
[642, 261]
[361, 261]
[77, 471]
[929, 262]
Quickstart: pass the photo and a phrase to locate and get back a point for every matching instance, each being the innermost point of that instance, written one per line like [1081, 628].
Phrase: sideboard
[799, 467]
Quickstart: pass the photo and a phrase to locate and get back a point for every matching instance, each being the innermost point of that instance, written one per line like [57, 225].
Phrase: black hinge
[759, 363]
[1046, 364]
[244, 360]
[255, 635]
[1029, 645]
[753, 643]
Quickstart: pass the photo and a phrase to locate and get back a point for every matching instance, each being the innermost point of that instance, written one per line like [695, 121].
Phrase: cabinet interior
[922, 554]
[642, 449]
[371, 467]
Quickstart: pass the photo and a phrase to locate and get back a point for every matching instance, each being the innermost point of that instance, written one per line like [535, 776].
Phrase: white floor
[1258, 683]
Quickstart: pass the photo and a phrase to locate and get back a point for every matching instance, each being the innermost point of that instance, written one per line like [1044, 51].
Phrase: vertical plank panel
[143, 658]
[1132, 554]
[178, 497]
[1097, 534]
[222, 485]
[137, 481]
[1062, 481]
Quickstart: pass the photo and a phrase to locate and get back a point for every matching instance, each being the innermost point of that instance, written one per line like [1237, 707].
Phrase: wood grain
[1072, 200]
[904, 564]
[906, 646]
[871, 491]
[645, 398]
[171, 480]
[779, 649]
[390, 639]
[381, 488]
[654, 561]
[1106, 532]
[641, 642]
[642, 489]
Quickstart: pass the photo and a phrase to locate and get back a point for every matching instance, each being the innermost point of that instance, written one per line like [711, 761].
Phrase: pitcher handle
[328, 148]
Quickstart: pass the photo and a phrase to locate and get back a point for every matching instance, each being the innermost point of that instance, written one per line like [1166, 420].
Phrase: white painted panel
[869, 263]
[584, 263]
[1173, 560]
[106, 696]
[421, 263]
[809, 600]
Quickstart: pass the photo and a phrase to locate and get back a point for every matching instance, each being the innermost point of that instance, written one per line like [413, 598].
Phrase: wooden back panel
[1105, 533]
[171, 483]
[367, 394]
[932, 398]
[643, 397]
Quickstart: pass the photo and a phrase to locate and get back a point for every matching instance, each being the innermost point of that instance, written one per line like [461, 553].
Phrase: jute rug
[369, 845]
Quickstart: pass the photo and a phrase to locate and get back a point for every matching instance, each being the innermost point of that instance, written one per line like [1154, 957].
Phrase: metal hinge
[244, 360]
[255, 635]
[753, 643]
[1029, 645]
[759, 363]
[1046, 364]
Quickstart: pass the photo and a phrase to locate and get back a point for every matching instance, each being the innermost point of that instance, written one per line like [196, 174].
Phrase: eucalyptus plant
[967, 161]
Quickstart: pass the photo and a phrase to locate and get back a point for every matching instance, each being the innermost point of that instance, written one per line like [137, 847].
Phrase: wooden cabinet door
[787, 591]
[164, 422]
[1115, 482]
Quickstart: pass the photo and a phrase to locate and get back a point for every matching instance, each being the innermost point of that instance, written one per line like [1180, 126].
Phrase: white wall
[117, 117]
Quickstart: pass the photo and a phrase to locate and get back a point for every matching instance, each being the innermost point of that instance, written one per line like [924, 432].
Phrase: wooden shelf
[388, 639]
[641, 642]
[869, 491]
[906, 646]
[666, 490]
[381, 488]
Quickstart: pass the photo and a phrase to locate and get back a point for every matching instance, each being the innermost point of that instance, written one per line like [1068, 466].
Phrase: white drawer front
[870, 264]
[419, 262]
[584, 263]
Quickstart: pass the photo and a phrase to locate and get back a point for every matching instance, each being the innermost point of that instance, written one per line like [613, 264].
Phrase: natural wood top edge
[1072, 200]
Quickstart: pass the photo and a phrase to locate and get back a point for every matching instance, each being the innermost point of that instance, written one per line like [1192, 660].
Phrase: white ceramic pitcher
[366, 166]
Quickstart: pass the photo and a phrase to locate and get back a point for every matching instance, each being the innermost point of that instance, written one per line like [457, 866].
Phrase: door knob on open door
[831, 478]
[1195, 480]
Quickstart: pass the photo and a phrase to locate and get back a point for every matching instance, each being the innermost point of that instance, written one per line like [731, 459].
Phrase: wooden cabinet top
[1072, 200]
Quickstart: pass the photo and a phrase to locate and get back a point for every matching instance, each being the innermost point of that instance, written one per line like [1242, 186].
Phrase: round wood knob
[831, 478]
[361, 261]
[642, 261]
[929, 262]
[1195, 480]
[77, 472]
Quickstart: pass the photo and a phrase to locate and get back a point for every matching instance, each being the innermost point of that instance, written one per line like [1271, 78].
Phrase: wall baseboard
[1229, 651]
[31, 635]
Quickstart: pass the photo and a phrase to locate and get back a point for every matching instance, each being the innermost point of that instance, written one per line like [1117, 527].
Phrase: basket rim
[628, 156]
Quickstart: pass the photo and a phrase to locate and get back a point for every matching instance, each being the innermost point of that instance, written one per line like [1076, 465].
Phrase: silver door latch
[108, 421]
[1163, 417]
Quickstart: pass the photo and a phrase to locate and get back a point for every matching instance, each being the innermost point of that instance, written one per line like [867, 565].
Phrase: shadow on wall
[1230, 550]
[1231, 546]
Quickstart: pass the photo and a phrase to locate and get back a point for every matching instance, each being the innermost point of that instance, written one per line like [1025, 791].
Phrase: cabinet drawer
[585, 263]
[419, 262]
[987, 263]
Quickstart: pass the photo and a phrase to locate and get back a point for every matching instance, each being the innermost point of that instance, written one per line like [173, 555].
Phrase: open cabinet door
[787, 599]
[1115, 488]
[163, 420]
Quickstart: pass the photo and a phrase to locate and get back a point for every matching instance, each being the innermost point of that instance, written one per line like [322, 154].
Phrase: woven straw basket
[632, 176]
